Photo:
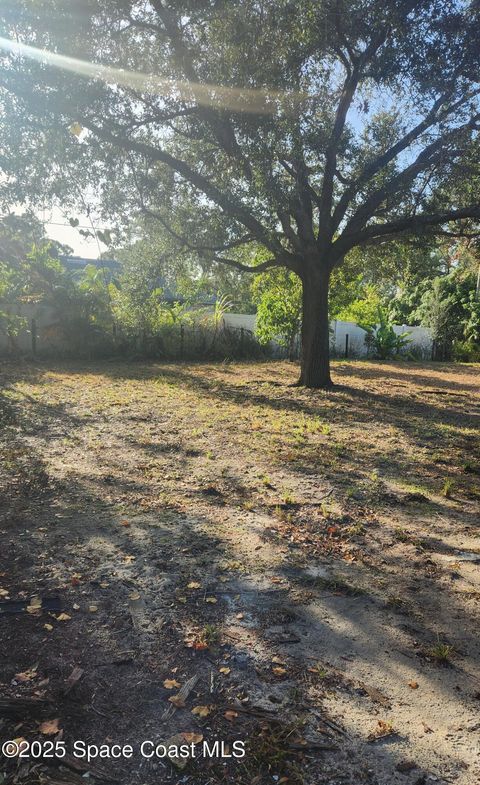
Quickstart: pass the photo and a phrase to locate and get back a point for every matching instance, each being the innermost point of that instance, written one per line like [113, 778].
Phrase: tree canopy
[305, 128]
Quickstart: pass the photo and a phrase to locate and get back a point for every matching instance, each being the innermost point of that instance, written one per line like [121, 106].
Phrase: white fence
[347, 337]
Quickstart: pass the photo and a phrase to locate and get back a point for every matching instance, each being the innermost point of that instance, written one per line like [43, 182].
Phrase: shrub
[383, 339]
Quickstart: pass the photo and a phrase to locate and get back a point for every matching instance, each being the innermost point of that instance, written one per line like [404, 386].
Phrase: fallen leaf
[277, 661]
[224, 670]
[201, 711]
[193, 738]
[48, 627]
[76, 129]
[93, 608]
[197, 645]
[172, 744]
[240, 616]
[129, 559]
[194, 585]
[278, 671]
[170, 684]
[27, 675]
[3, 593]
[135, 596]
[413, 685]
[35, 606]
[212, 600]
[177, 701]
[230, 715]
[182, 600]
[125, 523]
[63, 617]
[49, 727]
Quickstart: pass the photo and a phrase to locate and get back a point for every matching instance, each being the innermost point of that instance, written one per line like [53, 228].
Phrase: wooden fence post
[182, 341]
[33, 332]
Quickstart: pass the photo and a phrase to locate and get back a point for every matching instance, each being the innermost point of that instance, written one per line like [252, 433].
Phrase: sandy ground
[312, 558]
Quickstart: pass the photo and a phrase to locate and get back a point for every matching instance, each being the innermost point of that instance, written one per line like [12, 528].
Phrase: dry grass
[148, 478]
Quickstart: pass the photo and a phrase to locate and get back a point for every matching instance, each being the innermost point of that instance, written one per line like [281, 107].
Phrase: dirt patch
[306, 561]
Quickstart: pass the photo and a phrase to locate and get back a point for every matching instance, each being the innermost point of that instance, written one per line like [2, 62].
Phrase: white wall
[45, 319]
[420, 337]
[246, 320]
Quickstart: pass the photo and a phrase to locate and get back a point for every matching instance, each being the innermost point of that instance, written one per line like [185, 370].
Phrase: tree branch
[220, 125]
[428, 156]
[258, 268]
[379, 163]
[349, 88]
[224, 200]
[415, 223]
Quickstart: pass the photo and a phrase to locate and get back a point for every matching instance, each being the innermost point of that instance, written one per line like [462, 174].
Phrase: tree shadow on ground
[98, 552]
[93, 563]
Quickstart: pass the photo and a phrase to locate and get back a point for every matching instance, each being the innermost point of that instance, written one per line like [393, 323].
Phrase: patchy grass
[229, 526]
[441, 653]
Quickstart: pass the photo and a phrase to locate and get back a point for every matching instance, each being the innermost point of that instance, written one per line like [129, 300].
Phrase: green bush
[383, 339]
[466, 351]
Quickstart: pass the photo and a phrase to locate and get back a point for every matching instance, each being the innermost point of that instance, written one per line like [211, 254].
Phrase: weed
[356, 529]
[441, 653]
[210, 634]
[271, 750]
[326, 510]
[266, 481]
[447, 488]
[402, 535]
[318, 671]
[282, 514]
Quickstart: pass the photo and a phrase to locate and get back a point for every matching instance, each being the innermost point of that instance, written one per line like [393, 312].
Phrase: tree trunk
[315, 360]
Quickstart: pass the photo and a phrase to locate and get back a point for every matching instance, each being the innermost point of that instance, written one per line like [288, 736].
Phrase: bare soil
[312, 558]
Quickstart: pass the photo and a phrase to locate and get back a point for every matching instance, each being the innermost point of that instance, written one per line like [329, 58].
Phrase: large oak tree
[259, 133]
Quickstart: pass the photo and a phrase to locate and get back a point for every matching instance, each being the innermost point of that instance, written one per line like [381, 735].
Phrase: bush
[383, 339]
[466, 352]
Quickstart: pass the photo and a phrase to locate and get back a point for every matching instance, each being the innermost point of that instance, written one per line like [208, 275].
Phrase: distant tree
[308, 128]
[151, 259]
[278, 295]
[364, 310]
[450, 308]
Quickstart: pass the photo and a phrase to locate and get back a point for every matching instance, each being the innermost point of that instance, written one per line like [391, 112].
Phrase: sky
[57, 228]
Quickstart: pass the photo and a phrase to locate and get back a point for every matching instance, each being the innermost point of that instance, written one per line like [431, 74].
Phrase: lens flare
[236, 99]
